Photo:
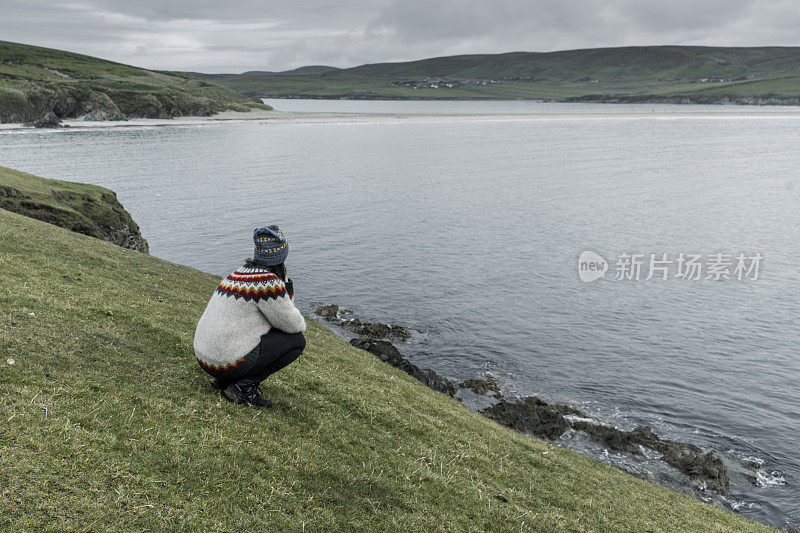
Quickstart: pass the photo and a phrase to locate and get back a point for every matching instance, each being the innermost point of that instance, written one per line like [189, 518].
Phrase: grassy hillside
[108, 423]
[35, 81]
[79, 207]
[651, 73]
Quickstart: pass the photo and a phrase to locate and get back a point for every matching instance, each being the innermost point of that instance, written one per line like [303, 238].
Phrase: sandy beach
[724, 112]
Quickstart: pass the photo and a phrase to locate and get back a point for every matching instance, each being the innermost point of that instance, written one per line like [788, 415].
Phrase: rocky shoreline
[47, 105]
[706, 471]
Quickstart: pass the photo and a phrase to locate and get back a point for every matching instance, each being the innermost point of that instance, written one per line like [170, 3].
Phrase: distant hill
[228, 79]
[301, 71]
[40, 82]
[756, 75]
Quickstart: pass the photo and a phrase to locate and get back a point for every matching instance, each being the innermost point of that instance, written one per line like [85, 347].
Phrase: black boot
[246, 392]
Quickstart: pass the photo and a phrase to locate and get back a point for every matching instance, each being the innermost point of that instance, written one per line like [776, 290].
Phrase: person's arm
[280, 311]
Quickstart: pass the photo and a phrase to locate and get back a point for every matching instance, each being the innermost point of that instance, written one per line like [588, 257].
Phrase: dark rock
[49, 120]
[482, 385]
[430, 378]
[568, 410]
[529, 415]
[612, 438]
[376, 330]
[372, 330]
[687, 458]
[697, 464]
[532, 415]
[751, 464]
[103, 114]
[328, 312]
[386, 352]
[128, 237]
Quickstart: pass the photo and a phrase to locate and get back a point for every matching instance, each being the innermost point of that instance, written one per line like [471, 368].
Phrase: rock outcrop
[537, 417]
[386, 352]
[482, 386]
[375, 329]
[48, 120]
[529, 415]
[700, 466]
[328, 312]
[35, 102]
[372, 330]
[82, 208]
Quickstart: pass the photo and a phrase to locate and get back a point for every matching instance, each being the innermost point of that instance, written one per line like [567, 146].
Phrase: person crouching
[250, 328]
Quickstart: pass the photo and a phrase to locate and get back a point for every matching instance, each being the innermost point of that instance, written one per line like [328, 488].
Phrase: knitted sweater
[245, 306]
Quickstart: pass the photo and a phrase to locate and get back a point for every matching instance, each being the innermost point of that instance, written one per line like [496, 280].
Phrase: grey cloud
[239, 35]
[681, 14]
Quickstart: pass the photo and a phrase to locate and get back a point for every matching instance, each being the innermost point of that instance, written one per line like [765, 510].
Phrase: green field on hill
[35, 81]
[646, 73]
[108, 423]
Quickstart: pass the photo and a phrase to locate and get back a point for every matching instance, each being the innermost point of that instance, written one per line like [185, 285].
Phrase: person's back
[250, 327]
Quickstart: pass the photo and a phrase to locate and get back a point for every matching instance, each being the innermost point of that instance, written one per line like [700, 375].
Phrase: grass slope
[657, 72]
[35, 81]
[108, 423]
[79, 207]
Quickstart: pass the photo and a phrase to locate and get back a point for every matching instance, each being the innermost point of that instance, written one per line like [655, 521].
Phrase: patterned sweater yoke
[252, 284]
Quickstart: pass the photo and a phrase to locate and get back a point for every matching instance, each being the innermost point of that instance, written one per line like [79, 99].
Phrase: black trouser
[276, 350]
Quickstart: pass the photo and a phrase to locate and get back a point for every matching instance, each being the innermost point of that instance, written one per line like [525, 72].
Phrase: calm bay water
[469, 230]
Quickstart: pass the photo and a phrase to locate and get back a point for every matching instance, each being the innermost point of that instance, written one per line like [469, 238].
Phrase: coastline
[706, 474]
[273, 116]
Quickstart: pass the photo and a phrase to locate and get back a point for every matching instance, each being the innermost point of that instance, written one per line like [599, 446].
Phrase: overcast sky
[240, 35]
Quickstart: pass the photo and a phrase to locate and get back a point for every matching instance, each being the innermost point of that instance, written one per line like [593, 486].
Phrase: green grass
[35, 80]
[629, 72]
[108, 423]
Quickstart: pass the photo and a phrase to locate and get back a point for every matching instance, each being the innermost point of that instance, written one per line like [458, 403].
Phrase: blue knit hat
[271, 247]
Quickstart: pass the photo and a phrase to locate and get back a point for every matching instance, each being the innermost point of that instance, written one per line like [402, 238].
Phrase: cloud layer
[240, 35]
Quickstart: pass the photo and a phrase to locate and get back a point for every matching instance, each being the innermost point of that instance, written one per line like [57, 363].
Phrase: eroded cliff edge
[79, 207]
